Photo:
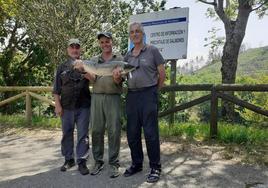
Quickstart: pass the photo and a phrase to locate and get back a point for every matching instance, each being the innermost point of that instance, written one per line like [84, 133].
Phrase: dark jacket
[72, 87]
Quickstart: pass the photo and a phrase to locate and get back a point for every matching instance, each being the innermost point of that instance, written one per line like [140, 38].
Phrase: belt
[106, 93]
[140, 89]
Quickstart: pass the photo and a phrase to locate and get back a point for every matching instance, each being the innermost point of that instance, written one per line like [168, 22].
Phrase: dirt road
[32, 159]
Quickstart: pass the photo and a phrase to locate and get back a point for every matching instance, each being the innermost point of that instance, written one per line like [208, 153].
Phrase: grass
[227, 133]
[249, 143]
[242, 135]
[19, 121]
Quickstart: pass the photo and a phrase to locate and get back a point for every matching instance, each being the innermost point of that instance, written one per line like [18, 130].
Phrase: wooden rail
[216, 92]
[28, 93]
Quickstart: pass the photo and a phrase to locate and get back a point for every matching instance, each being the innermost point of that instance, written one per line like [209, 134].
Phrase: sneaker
[97, 168]
[154, 175]
[67, 165]
[82, 167]
[132, 170]
[114, 172]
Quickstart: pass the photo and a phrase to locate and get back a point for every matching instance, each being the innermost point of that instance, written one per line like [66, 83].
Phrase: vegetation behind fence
[216, 92]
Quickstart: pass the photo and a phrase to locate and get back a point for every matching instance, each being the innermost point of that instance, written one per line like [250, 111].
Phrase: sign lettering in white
[167, 30]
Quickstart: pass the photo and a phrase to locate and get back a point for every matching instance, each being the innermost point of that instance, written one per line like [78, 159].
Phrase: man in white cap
[72, 104]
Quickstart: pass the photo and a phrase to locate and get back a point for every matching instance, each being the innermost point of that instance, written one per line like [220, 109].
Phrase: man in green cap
[105, 108]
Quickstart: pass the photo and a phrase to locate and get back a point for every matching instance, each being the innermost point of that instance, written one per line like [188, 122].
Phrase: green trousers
[105, 113]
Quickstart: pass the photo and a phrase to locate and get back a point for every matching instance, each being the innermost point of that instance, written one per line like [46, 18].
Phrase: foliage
[52, 22]
[23, 61]
[257, 98]
[33, 35]
[252, 69]
[19, 121]
[252, 63]
[215, 43]
[181, 97]
[234, 15]
[227, 133]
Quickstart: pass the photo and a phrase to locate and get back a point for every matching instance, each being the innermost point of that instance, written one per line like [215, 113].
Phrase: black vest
[74, 87]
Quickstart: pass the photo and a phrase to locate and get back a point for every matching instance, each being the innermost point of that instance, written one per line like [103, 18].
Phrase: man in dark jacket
[72, 104]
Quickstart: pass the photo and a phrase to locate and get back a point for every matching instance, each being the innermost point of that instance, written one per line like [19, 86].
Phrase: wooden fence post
[28, 108]
[172, 101]
[213, 113]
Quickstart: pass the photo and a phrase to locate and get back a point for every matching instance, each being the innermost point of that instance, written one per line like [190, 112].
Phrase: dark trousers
[142, 111]
[80, 117]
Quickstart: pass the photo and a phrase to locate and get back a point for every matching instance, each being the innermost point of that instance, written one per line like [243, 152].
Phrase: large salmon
[106, 69]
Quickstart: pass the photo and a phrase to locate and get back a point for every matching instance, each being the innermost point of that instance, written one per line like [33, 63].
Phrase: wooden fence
[27, 92]
[216, 92]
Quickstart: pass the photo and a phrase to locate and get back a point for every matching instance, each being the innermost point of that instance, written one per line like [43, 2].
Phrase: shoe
[114, 172]
[97, 168]
[154, 175]
[132, 170]
[67, 165]
[82, 167]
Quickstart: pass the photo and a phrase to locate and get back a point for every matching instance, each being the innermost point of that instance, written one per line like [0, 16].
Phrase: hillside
[251, 63]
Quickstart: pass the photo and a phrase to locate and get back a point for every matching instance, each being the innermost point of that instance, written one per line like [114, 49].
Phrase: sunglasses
[76, 46]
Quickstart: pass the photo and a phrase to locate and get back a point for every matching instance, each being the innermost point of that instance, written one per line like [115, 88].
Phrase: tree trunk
[228, 70]
[235, 32]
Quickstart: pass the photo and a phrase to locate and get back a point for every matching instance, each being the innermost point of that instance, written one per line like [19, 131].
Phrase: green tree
[234, 14]
[52, 22]
[23, 61]
[33, 33]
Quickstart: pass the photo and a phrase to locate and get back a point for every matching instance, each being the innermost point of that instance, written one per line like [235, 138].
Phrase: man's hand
[117, 75]
[90, 76]
[78, 64]
[58, 109]
[161, 75]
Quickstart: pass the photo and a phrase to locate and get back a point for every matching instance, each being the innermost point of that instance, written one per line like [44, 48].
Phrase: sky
[199, 24]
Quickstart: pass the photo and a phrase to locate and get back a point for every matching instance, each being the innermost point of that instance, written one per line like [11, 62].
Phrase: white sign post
[167, 30]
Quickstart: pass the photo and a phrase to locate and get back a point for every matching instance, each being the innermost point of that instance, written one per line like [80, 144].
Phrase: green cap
[104, 34]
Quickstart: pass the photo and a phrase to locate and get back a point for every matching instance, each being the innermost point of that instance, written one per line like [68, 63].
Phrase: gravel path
[32, 159]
